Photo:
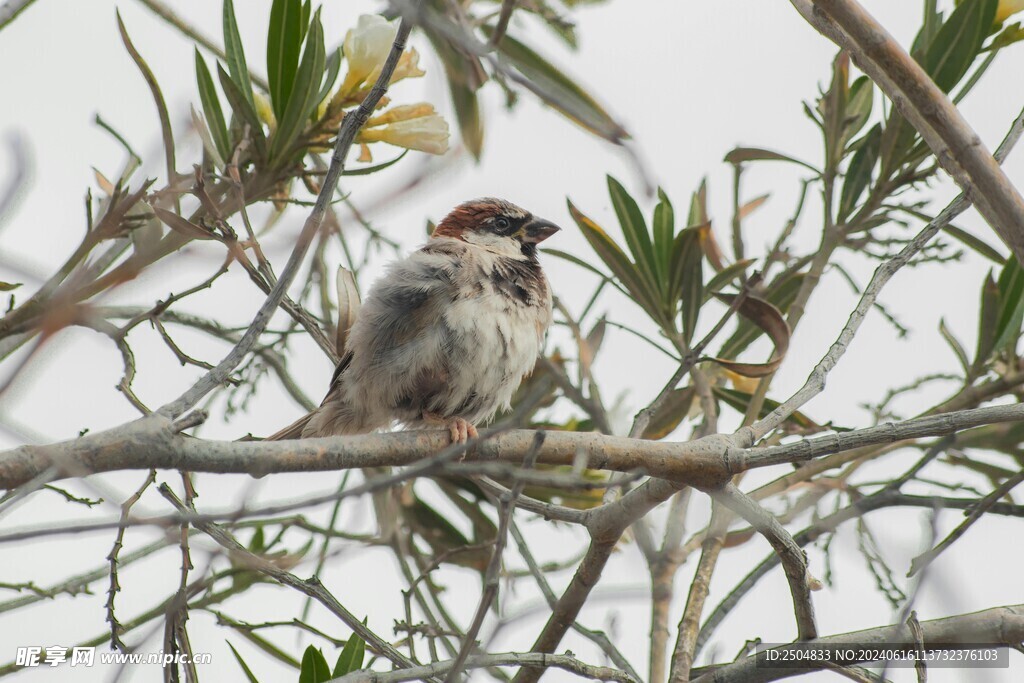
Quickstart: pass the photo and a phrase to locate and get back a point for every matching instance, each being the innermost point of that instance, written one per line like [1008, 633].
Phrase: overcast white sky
[689, 80]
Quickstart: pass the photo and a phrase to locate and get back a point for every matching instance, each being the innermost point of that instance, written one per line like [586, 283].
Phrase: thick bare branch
[995, 625]
[956, 146]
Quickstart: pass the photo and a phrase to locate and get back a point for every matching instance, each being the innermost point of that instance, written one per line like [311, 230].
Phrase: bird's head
[496, 225]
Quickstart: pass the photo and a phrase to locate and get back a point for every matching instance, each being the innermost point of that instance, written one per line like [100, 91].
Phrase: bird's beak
[539, 230]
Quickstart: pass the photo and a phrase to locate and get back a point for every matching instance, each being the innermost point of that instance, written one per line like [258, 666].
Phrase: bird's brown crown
[481, 214]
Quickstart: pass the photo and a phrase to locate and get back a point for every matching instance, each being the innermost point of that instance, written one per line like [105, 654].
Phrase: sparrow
[447, 334]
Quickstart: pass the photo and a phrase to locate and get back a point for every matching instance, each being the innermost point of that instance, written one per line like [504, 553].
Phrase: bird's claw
[461, 430]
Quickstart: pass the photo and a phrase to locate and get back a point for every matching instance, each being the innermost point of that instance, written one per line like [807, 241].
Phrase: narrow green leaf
[634, 229]
[209, 146]
[351, 657]
[211, 108]
[575, 260]
[859, 105]
[739, 400]
[950, 54]
[249, 676]
[333, 67]
[974, 242]
[664, 229]
[550, 84]
[726, 275]
[688, 271]
[987, 321]
[670, 414]
[619, 263]
[314, 667]
[743, 154]
[284, 43]
[303, 98]
[1011, 305]
[467, 113]
[244, 111]
[955, 345]
[307, 8]
[9, 286]
[367, 170]
[858, 175]
[237, 67]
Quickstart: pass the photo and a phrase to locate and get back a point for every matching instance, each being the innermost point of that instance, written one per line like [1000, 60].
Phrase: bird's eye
[501, 223]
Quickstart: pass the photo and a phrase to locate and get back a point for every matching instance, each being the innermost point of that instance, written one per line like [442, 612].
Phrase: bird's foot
[460, 430]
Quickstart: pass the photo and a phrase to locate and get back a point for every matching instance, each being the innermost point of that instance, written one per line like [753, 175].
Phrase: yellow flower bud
[264, 111]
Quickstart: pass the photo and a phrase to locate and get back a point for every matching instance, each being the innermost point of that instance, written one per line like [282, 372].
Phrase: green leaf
[333, 67]
[307, 8]
[303, 100]
[619, 263]
[211, 108]
[467, 113]
[955, 345]
[351, 657]
[858, 106]
[975, 243]
[727, 275]
[576, 260]
[258, 543]
[739, 400]
[688, 272]
[664, 229]
[987, 320]
[634, 229]
[743, 154]
[9, 286]
[314, 667]
[669, 414]
[1011, 305]
[558, 90]
[244, 110]
[858, 175]
[249, 676]
[284, 42]
[367, 170]
[237, 67]
[957, 43]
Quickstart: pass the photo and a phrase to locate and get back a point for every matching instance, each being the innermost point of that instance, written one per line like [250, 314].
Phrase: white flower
[413, 126]
[366, 49]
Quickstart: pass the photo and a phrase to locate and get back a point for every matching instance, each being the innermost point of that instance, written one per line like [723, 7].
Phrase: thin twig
[350, 125]
[507, 507]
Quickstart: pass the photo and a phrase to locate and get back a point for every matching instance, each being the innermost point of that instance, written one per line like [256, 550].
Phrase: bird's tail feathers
[292, 431]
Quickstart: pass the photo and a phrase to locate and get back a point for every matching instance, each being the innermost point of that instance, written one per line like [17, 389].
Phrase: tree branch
[956, 146]
[996, 625]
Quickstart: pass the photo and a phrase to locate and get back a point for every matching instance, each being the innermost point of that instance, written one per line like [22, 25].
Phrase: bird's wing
[401, 342]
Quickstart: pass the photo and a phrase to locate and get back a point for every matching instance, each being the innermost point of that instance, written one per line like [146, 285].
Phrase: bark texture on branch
[996, 625]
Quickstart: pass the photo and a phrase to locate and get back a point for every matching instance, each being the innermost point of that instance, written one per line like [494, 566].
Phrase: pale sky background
[690, 81]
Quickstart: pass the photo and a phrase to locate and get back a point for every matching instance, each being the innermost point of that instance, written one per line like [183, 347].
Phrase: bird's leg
[460, 430]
